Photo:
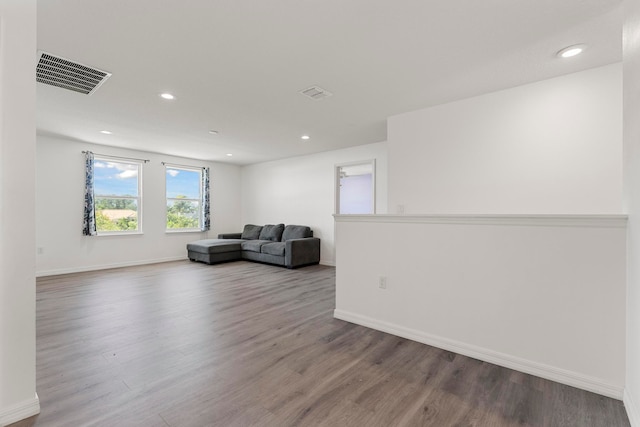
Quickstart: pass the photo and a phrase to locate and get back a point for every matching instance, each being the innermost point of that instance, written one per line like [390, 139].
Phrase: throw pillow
[272, 232]
[251, 232]
[295, 232]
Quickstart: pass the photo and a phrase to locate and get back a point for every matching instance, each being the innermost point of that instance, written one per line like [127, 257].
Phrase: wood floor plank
[244, 344]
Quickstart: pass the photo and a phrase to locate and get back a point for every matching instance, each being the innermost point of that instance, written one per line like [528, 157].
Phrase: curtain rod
[117, 157]
[182, 166]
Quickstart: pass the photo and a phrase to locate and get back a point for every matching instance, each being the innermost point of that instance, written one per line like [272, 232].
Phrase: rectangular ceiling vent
[315, 92]
[60, 72]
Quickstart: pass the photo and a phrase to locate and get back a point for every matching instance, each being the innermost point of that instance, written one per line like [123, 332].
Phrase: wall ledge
[541, 370]
[20, 411]
[542, 220]
[632, 410]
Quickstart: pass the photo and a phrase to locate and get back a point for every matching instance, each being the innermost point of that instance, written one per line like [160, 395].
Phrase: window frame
[138, 198]
[199, 200]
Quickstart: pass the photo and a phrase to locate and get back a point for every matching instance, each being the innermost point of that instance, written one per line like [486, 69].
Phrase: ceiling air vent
[60, 72]
[315, 92]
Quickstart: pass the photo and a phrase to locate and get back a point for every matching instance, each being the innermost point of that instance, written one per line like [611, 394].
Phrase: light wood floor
[246, 344]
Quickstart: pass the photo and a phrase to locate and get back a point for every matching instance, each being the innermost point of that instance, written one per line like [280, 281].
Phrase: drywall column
[17, 210]
[631, 96]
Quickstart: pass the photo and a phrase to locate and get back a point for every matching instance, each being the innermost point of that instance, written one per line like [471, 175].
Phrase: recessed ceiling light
[570, 51]
[213, 132]
[305, 137]
[106, 132]
[167, 95]
[229, 154]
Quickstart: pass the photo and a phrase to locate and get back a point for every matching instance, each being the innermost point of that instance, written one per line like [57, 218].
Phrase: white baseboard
[55, 272]
[83, 269]
[20, 411]
[632, 409]
[552, 373]
[328, 262]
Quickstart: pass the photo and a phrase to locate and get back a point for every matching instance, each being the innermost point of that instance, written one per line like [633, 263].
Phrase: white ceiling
[237, 66]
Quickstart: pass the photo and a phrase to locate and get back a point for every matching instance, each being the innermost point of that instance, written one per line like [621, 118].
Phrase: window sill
[133, 233]
[183, 231]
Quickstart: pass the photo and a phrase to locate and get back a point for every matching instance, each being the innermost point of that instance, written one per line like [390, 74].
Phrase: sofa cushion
[214, 246]
[251, 232]
[295, 232]
[276, 248]
[253, 245]
[272, 232]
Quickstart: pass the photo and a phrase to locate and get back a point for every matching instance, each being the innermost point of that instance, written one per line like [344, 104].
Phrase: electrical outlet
[40, 250]
[400, 209]
[382, 282]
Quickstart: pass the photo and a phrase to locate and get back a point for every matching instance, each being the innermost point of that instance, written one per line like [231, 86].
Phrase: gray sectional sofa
[291, 246]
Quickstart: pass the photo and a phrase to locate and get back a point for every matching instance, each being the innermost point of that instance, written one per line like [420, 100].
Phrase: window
[184, 199]
[117, 196]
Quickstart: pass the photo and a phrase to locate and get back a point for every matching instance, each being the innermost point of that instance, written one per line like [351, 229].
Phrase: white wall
[17, 211]
[543, 295]
[553, 146]
[59, 204]
[301, 190]
[356, 194]
[632, 196]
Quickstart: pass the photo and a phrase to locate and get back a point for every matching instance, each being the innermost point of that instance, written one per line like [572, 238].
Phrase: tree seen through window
[117, 196]
[184, 190]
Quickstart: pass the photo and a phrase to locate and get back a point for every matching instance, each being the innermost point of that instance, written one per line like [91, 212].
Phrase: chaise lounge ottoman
[212, 251]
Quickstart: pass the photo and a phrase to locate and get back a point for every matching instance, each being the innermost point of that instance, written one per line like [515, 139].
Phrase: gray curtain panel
[206, 203]
[89, 226]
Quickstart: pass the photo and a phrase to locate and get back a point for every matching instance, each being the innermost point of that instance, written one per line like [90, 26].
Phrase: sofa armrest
[230, 236]
[298, 252]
